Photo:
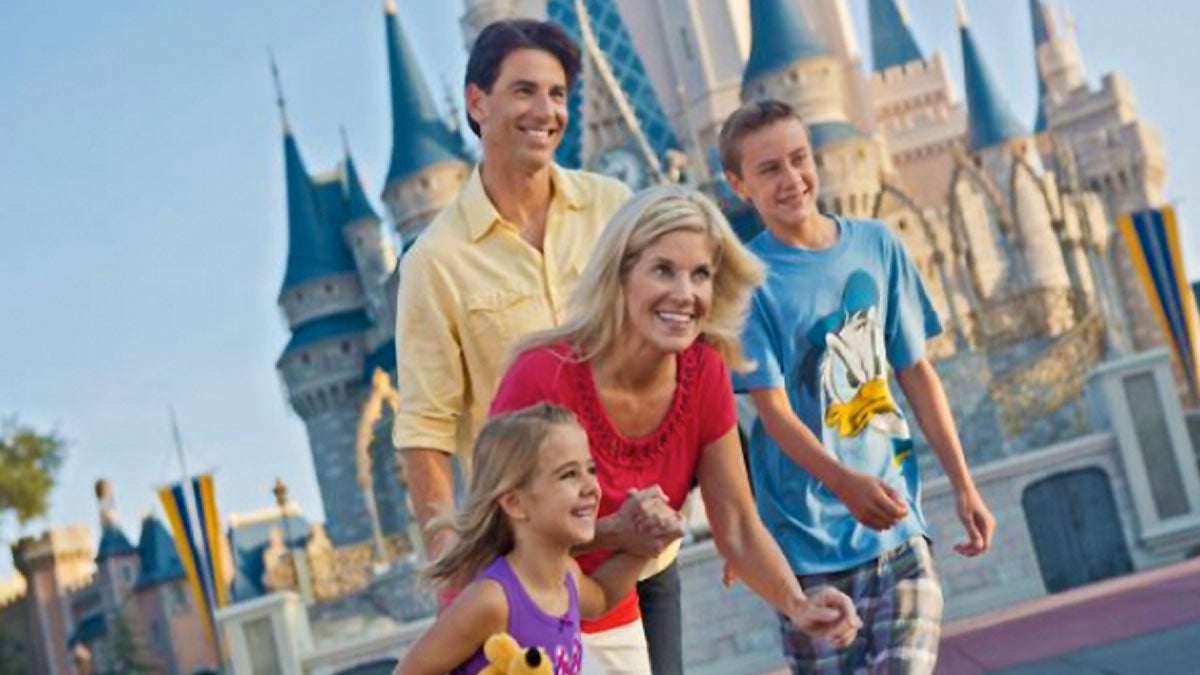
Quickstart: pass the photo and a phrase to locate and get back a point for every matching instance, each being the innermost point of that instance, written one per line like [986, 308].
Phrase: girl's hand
[828, 614]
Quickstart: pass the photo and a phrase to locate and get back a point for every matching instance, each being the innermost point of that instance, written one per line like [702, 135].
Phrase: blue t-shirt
[829, 326]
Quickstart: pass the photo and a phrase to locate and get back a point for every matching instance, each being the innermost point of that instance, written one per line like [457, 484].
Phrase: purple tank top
[531, 627]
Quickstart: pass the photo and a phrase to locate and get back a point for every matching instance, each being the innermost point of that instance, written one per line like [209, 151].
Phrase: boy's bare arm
[923, 388]
[872, 501]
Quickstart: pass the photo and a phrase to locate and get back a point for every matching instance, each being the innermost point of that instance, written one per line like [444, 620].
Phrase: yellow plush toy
[506, 657]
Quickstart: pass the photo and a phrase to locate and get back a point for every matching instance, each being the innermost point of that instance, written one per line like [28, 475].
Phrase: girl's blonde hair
[596, 311]
[506, 458]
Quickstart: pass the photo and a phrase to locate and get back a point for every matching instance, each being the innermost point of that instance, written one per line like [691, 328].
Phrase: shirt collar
[481, 215]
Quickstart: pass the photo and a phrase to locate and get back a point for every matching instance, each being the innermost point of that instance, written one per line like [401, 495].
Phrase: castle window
[345, 347]
[305, 358]
[328, 289]
[299, 296]
[424, 182]
[853, 203]
[793, 77]
[127, 574]
[837, 204]
[1122, 179]
[903, 225]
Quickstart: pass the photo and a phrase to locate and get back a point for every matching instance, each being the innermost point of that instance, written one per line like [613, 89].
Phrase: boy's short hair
[744, 121]
[501, 38]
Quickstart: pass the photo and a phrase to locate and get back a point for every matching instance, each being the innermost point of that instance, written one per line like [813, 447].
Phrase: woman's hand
[828, 614]
[645, 524]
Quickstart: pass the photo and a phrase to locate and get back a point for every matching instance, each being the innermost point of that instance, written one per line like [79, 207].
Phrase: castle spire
[420, 136]
[990, 119]
[357, 204]
[314, 250]
[779, 38]
[113, 542]
[279, 100]
[1043, 28]
[892, 41]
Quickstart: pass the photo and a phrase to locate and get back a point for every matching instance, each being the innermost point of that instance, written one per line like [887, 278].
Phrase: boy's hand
[977, 520]
[871, 501]
[828, 614]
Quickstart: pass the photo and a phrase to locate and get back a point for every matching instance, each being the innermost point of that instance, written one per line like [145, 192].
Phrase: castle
[81, 607]
[1011, 225]
[1070, 412]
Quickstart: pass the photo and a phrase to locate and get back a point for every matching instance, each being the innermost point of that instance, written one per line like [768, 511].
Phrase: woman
[643, 362]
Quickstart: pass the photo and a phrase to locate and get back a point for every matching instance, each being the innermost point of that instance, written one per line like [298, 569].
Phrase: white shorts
[619, 651]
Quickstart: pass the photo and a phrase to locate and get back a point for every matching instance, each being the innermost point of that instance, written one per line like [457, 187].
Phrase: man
[831, 455]
[498, 264]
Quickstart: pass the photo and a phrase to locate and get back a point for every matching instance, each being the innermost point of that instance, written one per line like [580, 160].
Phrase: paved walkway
[1113, 626]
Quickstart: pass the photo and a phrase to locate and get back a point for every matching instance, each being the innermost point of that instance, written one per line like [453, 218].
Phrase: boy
[831, 455]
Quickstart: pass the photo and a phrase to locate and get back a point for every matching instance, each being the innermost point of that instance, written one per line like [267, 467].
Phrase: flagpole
[189, 499]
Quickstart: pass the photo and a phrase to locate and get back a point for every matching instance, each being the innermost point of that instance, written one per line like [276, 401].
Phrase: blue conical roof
[420, 137]
[779, 37]
[113, 543]
[357, 204]
[315, 246]
[990, 119]
[157, 555]
[1041, 36]
[892, 41]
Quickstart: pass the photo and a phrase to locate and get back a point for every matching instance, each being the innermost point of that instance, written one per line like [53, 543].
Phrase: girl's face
[669, 290]
[563, 497]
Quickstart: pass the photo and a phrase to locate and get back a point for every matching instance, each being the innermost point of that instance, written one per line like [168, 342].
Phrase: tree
[28, 463]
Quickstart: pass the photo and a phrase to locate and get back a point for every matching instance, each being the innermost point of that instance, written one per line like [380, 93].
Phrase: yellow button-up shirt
[470, 288]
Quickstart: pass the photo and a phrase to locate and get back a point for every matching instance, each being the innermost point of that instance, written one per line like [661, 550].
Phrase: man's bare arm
[430, 478]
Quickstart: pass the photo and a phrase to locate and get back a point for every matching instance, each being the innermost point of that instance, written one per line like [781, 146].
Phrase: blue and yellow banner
[196, 553]
[1152, 236]
[210, 528]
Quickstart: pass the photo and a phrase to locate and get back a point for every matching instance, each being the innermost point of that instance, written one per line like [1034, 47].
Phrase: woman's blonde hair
[596, 311]
[506, 458]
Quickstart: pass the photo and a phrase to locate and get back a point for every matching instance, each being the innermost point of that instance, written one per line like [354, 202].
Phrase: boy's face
[521, 121]
[778, 174]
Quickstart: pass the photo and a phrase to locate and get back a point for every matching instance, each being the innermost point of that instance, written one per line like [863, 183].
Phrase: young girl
[533, 497]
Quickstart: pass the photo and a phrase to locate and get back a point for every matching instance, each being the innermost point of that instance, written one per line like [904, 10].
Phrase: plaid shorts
[899, 599]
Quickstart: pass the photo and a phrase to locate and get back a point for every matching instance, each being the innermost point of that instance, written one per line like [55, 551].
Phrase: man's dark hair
[501, 38]
[744, 121]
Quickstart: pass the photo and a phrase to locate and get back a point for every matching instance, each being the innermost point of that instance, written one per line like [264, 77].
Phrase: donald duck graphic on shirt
[846, 364]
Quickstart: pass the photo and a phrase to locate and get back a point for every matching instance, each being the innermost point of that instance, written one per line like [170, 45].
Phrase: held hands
[647, 523]
[827, 614]
[977, 520]
[871, 501]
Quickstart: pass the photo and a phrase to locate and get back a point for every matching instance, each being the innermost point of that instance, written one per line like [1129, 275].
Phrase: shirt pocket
[500, 316]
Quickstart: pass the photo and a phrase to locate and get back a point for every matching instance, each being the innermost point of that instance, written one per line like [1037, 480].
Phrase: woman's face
[669, 291]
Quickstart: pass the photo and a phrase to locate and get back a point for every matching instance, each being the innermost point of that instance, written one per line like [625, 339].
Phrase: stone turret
[790, 63]
[429, 161]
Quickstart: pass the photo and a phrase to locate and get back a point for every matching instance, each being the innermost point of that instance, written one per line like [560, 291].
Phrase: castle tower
[55, 565]
[694, 54]
[167, 619]
[374, 255]
[326, 309]
[617, 127]
[429, 162]
[788, 62]
[915, 106]
[477, 14]
[116, 566]
[1023, 212]
[1096, 141]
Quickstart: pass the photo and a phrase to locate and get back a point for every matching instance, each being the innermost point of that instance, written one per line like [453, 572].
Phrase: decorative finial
[278, 89]
[960, 8]
[281, 492]
[107, 503]
[389, 6]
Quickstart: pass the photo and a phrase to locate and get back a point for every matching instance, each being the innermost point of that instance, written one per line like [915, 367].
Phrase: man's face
[779, 176]
[521, 122]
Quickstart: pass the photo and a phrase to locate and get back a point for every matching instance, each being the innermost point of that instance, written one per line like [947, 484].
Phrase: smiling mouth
[588, 511]
[676, 319]
[539, 134]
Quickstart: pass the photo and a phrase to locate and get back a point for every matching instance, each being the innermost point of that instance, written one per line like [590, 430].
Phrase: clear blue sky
[142, 219]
